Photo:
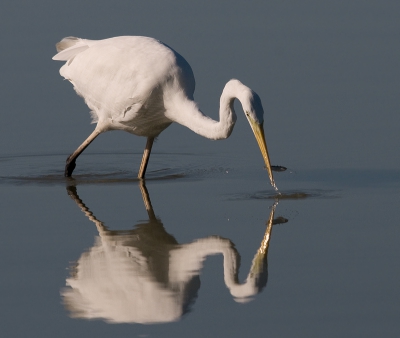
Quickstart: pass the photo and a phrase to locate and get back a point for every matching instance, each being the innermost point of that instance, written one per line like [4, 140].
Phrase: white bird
[140, 85]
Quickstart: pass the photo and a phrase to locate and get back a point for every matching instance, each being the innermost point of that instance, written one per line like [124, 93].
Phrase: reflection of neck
[188, 260]
[74, 195]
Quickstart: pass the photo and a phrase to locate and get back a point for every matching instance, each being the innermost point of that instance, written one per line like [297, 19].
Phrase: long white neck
[181, 109]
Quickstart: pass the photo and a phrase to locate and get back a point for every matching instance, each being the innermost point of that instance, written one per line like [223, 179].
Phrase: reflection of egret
[145, 276]
[140, 85]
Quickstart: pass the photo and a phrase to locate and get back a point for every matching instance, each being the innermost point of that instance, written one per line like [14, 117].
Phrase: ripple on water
[285, 195]
[101, 169]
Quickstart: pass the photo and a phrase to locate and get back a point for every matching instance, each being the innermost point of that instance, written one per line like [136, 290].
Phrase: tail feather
[66, 43]
[68, 47]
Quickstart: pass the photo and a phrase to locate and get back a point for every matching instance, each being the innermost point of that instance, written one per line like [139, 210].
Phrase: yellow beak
[258, 131]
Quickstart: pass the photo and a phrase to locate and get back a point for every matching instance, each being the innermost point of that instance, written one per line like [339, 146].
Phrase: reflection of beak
[258, 131]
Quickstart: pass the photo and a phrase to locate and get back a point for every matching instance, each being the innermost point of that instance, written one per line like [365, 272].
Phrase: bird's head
[254, 112]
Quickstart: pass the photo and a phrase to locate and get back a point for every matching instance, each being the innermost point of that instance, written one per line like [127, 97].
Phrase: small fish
[280, 220]
[278, 168]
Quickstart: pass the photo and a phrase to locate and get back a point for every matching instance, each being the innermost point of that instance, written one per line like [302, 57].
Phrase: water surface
[198, 250]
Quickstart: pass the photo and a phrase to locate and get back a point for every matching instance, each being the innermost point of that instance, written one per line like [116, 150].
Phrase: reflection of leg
[146, 200]
[70, 163]
[146, 156]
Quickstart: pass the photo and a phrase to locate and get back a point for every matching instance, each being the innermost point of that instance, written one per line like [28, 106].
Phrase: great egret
[140, 85]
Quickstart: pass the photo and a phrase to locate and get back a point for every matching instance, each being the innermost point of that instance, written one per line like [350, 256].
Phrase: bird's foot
[69, 167]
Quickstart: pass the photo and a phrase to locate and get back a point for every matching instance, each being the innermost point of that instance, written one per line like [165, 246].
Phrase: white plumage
[140, 85]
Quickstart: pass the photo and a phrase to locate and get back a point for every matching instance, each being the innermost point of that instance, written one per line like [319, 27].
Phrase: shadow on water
[144, 275]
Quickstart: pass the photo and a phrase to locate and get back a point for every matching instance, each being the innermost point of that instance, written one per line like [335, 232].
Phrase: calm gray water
[86, 248]
[84, 257]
